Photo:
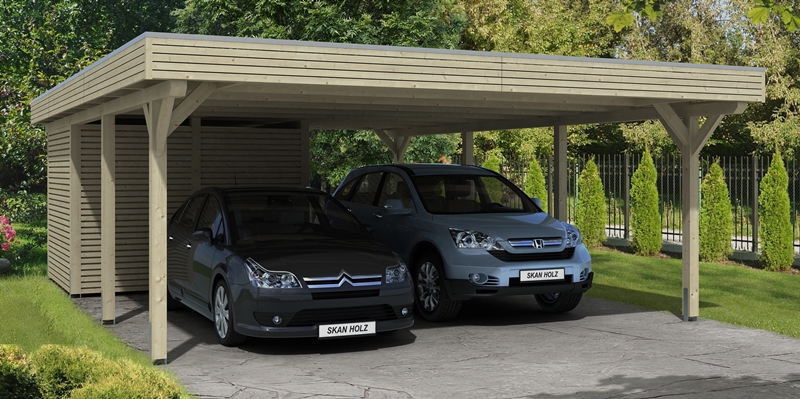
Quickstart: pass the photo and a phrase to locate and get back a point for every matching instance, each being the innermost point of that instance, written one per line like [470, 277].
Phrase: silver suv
[468, 232]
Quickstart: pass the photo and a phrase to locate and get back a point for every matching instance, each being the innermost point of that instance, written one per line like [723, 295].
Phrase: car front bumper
[301, 315]
[463, 289]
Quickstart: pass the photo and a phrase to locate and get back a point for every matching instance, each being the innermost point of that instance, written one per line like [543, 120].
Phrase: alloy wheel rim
[221, 313]
[428, 286]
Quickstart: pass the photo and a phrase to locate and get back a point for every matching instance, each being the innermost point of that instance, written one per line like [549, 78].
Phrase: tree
[535, 183]
[645, 218]
[591, 217]
[716, 218]
[777, 240]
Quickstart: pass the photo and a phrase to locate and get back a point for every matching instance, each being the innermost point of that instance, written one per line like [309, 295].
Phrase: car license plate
[346, 329]
[541, 275]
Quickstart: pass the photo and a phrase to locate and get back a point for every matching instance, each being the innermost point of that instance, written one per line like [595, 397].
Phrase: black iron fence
[742, 175]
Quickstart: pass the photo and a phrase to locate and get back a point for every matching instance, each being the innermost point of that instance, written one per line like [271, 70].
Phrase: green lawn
[729, 293]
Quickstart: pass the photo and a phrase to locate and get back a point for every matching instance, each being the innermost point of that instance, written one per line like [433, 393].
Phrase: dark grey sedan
[269, 262]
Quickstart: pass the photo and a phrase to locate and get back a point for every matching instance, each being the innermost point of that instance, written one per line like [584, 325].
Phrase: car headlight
[397, 273]
[573, 236]
[263, 278]
[473, 239]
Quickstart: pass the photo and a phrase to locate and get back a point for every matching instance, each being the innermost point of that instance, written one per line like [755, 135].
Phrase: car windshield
[449, 194]
[259, 216]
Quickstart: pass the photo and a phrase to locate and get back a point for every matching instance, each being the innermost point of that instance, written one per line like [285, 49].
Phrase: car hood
[505, 225]
[320, 257]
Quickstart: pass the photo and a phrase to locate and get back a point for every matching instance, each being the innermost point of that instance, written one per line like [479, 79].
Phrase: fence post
[754, 186]
[627, 195]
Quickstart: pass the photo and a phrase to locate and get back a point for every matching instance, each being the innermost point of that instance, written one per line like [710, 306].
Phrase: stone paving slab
[496, 348]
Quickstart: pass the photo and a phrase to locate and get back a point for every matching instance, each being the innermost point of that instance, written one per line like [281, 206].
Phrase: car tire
[558, 302]
[431, 297]
[224, 318]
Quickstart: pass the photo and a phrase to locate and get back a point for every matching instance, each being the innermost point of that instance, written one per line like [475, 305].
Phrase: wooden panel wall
[227, 156]
[58, 226]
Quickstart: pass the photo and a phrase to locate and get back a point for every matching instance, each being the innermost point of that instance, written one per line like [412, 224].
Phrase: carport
[238, 111]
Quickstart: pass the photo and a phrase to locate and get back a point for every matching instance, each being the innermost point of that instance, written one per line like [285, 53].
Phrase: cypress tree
[493, 187]
[591, 218]
[535, 183]
[645, 218]
[777, 252]
[716, 218]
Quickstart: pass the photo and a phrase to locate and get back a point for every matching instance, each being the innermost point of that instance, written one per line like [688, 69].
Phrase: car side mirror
[396, 207]
[203, 234]
[537, 201]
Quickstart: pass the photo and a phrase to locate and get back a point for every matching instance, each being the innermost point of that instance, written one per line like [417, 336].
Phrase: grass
[732, 294]
[28, 253]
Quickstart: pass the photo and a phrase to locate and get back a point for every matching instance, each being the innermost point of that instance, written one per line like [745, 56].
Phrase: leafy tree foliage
[777, 248]
[716, 218]
[535, 185]
[591, 217]
[645, 218]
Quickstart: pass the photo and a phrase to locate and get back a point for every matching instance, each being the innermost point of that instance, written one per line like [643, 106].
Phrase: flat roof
[400, 90]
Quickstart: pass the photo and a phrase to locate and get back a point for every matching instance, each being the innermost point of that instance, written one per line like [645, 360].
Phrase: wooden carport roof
[397, 92]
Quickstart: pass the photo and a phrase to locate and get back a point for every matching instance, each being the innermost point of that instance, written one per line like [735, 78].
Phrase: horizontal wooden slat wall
[58, 226]
[247, 156]
[228, 156]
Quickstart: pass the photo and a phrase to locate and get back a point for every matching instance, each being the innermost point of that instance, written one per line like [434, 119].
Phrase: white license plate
[541, 275]
[346, 329]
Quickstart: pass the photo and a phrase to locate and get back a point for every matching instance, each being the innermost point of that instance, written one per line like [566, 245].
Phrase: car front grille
[533, 256]
[310, 317]
[344, 294]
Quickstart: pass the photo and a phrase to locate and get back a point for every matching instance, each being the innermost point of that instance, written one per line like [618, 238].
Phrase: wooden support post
[75, 188]
[467, 148]
[305, 155]
[108, 218]
[560, 183]
[158, 114]
[690, 138]
[398, 145]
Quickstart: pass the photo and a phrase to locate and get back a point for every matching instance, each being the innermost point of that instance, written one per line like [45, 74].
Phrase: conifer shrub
[535, 183]
[492, 162]
[645, 218]
[716, 218]
[776, 238]
[60, 369]
[16, 379]
[137, 382]
[493, 188]
[591, 217]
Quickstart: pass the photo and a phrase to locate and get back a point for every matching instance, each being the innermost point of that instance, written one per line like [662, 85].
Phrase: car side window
[211, 216]
[344, 193]
[189, 217]
[368, 189]
[394, 187]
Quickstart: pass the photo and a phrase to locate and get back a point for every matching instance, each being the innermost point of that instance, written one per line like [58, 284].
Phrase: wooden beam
[108, 218]
[467, 148]
[196, 153]
[305, 155]
[690, 243]
[673, 124]
[170, 88]
[560, 181]
[402, 143]
[190, 103]
[158, 114]
[709, 126]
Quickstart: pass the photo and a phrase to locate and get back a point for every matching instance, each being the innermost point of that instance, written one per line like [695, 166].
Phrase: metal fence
[742, 175]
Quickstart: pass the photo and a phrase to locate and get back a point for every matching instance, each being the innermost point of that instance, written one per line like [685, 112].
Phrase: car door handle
[171, 238]
[188, 246]
[377, 215]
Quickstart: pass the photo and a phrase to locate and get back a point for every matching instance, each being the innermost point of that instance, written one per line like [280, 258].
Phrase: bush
[137, 382]
[24, 206]
[492, 162]
[591, 218]
[535, 183]
[645, 219]
[16, 379]
[716, 218]
[776, 238]
[60, 370]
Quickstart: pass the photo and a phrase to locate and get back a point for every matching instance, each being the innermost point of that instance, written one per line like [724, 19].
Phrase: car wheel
[432, 299]
[558, 302]
[224, 317]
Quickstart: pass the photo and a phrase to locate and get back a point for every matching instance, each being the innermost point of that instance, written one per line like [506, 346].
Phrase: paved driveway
[496, 348]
